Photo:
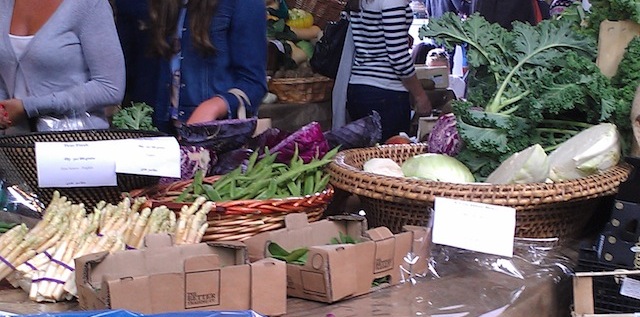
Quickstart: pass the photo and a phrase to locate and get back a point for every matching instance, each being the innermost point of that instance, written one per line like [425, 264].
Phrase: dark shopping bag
[327, 52]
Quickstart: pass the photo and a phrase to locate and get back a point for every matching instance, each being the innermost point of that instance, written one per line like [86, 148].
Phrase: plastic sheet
[492, 285]
[74, 121]
[126, 313]
[17, 199]
[536, 281]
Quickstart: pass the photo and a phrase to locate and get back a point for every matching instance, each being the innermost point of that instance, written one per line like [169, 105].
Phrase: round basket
[302, 90]
[18, 163]
[543, 210]
[238, 220]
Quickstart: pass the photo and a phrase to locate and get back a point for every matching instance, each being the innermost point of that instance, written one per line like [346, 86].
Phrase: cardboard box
[340, 271]
[167, 278]
[438, 74]
[425, 125]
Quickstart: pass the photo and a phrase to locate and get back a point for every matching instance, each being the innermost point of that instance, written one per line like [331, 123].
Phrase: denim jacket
[238, 33]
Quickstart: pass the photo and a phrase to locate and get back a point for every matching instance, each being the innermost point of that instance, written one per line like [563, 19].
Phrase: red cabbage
[229, 161]
[444, 138]
[309, 140]
[219, 135]
[364, 132]
[192, 159]
[269, 138]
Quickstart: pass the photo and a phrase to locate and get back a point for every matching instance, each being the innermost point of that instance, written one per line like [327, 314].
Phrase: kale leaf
[138, 116]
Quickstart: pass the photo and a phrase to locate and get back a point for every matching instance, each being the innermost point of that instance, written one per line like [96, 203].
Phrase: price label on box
[474, 226]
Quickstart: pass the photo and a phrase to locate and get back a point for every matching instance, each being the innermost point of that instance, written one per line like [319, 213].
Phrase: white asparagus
[200, 234]
[49, 272]
[138, 230]
[67, 276]
[133, 219]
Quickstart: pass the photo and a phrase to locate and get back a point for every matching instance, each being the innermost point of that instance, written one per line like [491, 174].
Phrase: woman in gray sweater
[61, 64]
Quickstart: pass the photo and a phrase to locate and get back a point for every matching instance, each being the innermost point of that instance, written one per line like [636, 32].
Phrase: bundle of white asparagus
[41, 260]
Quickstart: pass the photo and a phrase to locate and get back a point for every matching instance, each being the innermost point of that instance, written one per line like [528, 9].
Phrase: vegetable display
[531, 85]
[297, 256]
[41, 259]
[264, 178]
[299, 18]
[294, 31]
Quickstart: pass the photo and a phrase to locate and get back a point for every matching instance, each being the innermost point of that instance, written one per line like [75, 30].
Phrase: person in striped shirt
[383, 76]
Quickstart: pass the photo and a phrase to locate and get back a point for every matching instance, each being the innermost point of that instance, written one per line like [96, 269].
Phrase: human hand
[209, 110]
[11, 111]
[4, 118]
[422, 104]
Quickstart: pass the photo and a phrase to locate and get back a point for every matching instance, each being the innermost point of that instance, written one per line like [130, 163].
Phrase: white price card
[75, 164]
[630, 287]
[157, 156]
[474, 226]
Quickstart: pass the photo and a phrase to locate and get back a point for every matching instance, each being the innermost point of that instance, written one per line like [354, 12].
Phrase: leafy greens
[533, 84]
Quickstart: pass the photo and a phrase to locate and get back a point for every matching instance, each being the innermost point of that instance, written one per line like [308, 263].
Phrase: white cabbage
[591, 151]
[383, 166]
[437, 167]
[530, 165]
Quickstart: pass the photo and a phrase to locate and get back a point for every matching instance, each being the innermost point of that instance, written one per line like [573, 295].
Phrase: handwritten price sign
[75, 164]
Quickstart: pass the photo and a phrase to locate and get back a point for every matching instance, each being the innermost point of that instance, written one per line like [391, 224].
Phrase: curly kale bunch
[138, 116]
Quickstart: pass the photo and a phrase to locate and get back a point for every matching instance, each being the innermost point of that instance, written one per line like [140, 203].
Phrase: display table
[469, 284]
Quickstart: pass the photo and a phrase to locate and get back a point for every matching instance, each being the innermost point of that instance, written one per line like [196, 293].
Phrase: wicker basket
[302, 90]
[323, 11]
[543, 210]
[240, 219]
[18, 163]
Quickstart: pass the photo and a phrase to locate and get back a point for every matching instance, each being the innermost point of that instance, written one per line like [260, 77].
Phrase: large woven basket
[240, 219]
[543, 210]
[323, 11]
[18, 163]
[302, 89]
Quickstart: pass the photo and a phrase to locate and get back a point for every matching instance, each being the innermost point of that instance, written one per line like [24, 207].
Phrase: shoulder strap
[243, 100]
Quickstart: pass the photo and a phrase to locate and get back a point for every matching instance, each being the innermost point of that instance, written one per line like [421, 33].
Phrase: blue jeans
[393, 106]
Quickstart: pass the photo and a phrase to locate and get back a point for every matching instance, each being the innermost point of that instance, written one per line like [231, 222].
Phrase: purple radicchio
[444, 138]
[309, 140]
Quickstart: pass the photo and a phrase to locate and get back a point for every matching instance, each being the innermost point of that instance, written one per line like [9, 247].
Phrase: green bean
[252, 161]
[308, 184]
[322, 184]
[211, 193]
[186, 193]
[227, 178]
[294, 189]
[197, 182]
[232, 188]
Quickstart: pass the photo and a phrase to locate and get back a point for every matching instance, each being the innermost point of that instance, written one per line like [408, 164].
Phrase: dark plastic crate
[606, 289]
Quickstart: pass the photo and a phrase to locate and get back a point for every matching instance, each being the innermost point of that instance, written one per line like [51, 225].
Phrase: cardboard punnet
[340, 271]
[164, 278]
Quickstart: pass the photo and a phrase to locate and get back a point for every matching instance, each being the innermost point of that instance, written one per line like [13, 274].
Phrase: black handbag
[327, 52]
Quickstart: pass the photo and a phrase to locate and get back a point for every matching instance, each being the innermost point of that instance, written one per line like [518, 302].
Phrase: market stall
[485, 214]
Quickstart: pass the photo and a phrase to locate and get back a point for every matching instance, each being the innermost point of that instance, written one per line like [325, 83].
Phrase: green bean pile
[263, 178]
